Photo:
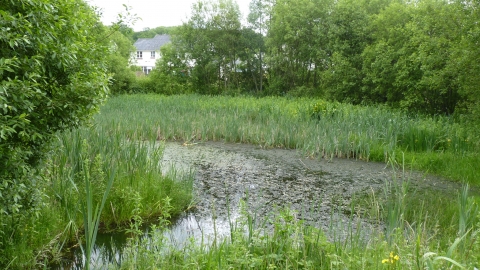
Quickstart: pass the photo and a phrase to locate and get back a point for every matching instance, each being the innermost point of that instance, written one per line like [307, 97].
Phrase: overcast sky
[153, 13]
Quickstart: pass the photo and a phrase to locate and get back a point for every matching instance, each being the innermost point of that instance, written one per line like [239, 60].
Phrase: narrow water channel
[266, 179]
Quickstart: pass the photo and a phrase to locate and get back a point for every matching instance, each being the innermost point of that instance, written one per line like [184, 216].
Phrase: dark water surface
[266, 179]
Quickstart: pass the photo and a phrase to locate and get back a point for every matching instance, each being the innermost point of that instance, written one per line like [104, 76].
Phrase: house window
[152, 55]
[139, 54]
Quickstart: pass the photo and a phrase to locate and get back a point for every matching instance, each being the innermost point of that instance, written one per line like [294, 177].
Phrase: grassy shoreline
[73, 185]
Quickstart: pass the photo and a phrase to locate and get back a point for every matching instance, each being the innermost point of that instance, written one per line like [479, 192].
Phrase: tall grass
[91, 215]
[315, 127]
[138, 170]
[79, 172]
[425, 228]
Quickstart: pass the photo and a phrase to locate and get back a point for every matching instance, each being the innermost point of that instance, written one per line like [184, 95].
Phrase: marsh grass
[85, 163]
[425, 229]
[91, 212]
[138, 171]
[318, 128]
[422, 228]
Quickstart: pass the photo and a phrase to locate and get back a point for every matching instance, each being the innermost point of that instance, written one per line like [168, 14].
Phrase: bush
[52, 78]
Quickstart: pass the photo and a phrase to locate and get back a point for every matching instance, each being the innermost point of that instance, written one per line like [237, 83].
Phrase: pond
[319, 190]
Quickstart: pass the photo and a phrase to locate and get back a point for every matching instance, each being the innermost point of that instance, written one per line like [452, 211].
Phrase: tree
[211, 43]
[412, 64]
[381, 57]
[348, 35]
[466, 56]
[259, 20]
[118, 62]
[297, 44]
[150, 33]
[53, 77]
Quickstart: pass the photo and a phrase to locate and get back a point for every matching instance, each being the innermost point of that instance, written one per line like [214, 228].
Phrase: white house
[148, 51]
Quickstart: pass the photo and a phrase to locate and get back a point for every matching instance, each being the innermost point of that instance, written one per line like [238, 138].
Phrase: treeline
[146, 32]
[420, 56]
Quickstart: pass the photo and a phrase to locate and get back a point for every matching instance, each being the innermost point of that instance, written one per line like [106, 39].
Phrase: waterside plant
[438, 145]
[425, 229]
[84, 166]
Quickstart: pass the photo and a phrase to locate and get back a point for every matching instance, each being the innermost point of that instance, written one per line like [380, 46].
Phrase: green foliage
[93, 175]
[79, 170]
[417, 56]
[52, 78]
[171, 74]
[150, 33]
[314, 126]
[416, 46]
[211, 53]
[297, 44]
[138, 171]
[291, 244]
[118, 61]
[347, 38]
[466, 52]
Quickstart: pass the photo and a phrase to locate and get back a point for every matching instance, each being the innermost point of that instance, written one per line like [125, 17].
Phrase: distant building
[148, 51]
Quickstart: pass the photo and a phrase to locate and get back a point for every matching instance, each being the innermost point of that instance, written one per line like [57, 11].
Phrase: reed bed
[96, 180]
[317, 128]
[124, 141]
[428, 229]
[140, 181]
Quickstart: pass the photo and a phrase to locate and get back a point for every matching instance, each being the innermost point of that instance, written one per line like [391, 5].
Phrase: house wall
[146, 62]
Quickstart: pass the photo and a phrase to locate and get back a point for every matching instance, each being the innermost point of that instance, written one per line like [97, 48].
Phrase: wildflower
[392, 259]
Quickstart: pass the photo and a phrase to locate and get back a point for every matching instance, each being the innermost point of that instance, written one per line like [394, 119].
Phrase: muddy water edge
[318, 190]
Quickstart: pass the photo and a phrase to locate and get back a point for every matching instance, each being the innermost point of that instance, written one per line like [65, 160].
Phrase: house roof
[151, 44]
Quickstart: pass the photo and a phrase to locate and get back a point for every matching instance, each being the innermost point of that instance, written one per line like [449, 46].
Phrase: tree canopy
[53, 77]
[418, 56]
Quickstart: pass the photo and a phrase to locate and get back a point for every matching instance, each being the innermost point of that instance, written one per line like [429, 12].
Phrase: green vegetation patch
[316, 127]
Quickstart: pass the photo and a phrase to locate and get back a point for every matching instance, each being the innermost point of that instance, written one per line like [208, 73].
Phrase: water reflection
[109, 246]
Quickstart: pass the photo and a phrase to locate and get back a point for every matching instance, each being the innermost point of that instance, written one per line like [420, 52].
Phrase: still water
[266, 180]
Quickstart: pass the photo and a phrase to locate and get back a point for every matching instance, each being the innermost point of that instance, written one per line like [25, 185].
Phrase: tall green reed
[92, 173]
[79, 178]
[138, 169]
[314, 126]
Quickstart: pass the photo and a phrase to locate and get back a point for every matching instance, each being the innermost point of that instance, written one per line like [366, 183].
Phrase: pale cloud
[153, 13]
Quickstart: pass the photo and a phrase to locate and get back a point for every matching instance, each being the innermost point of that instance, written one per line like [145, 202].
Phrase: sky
[153, 13]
